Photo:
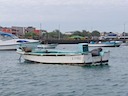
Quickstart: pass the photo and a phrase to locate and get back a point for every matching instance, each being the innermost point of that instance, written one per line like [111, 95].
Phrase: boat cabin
[83, 47]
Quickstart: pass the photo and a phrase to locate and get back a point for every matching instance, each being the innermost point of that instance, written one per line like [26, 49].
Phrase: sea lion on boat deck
[96, 52]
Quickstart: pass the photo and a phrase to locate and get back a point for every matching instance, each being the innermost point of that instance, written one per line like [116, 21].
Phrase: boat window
[85, 48]
[5, 37]
[14, 37]
[1, 37]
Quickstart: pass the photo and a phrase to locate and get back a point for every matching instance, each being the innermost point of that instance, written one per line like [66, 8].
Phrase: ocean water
[18, 78]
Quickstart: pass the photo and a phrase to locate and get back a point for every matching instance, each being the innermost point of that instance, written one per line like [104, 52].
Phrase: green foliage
[86, 34]
[30, 35]
[77, 33]
[95, 33]
[55, 34]
[64, 36]
[77, 37]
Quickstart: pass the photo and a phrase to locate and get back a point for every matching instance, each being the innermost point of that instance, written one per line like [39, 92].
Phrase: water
[30, 79]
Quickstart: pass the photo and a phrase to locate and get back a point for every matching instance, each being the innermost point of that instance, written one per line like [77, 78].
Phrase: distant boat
[53, 56]
[46, 46]
[10, 42]
[124, 43]
[105, 44]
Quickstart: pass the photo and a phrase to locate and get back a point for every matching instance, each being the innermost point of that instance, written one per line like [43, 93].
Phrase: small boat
[53, 56]
[10, 42]
[125, 43]
[47, 46]
[105, 44]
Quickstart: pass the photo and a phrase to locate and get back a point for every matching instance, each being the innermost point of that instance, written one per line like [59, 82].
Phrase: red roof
[37, 32]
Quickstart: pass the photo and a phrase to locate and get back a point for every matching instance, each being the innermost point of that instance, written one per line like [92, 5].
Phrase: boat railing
[55, 53]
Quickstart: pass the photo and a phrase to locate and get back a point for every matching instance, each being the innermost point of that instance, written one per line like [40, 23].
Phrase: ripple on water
[28, 79]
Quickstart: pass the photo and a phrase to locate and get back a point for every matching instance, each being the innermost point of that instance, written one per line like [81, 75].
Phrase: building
[69, 33]
[33, 29]
[19, 31]
[30, 29]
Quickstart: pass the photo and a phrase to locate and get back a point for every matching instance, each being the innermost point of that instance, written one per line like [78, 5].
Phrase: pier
[63, 41]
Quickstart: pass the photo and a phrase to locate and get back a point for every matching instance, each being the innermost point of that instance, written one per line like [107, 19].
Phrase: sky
[66, 15]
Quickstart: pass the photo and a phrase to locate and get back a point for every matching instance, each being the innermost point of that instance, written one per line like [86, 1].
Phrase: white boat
[52, 56]
[124, 43]
[105, 44]
[10, 42]
[47, 46]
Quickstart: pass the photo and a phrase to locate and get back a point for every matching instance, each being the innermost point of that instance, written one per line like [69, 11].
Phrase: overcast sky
[66, 15]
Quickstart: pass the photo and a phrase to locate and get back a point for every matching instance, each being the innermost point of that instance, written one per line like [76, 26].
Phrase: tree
[56, 34]
[77, 33]
[86, 34]
[95, 33]
[30, 35]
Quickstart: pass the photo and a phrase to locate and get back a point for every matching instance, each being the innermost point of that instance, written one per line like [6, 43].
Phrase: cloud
[64, 2]
[69, 13]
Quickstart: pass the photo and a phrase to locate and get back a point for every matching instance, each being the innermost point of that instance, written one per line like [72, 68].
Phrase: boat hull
[15, 46]
[73, 59]
[104, 45]
[8, 47]
[10, 42]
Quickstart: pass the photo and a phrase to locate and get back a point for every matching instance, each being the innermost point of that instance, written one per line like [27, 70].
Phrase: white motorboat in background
[10, 42]
[105, 44]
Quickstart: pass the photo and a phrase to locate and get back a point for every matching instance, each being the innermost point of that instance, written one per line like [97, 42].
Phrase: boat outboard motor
[96, 52]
